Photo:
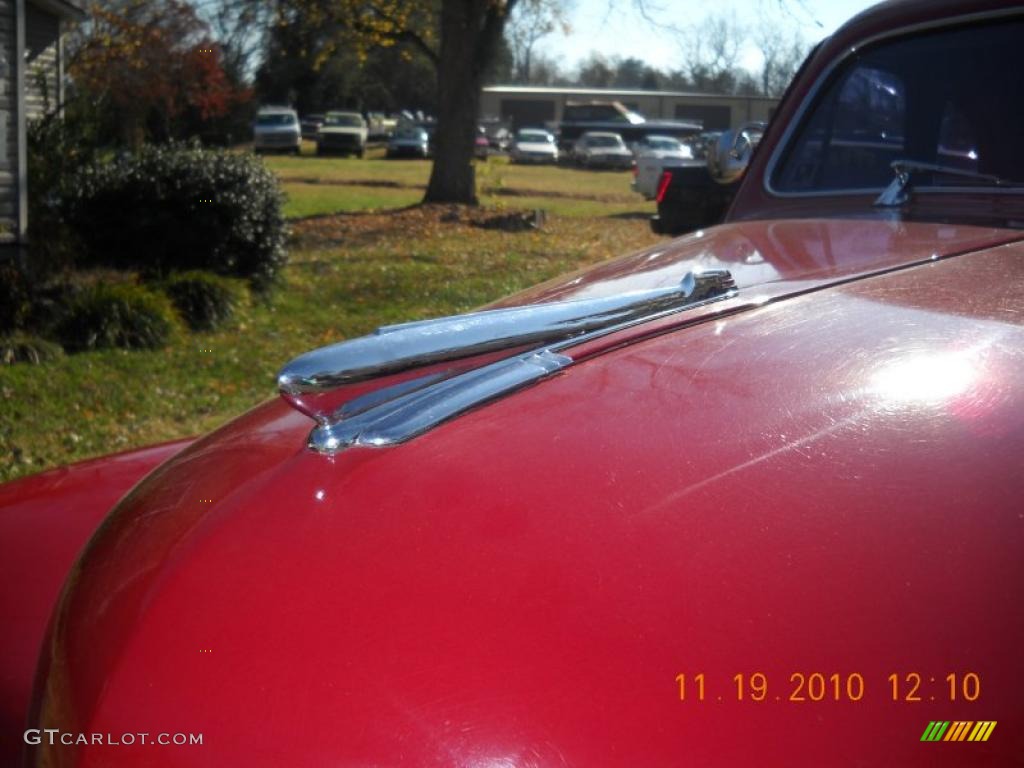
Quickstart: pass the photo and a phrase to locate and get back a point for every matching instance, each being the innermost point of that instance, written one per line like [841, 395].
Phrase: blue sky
[616, 28]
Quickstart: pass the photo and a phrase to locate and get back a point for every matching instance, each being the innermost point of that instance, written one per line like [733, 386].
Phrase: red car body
[783, 528]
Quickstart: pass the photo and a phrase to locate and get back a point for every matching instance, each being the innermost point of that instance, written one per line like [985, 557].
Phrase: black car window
[950, 98]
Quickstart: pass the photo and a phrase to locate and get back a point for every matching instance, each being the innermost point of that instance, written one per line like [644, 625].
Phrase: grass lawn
[348, 273]
[323, 185]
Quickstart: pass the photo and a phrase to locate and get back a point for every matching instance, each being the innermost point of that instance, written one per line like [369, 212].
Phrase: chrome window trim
[812, 94]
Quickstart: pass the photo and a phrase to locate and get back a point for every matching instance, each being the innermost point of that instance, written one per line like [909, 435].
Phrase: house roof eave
[65, 9]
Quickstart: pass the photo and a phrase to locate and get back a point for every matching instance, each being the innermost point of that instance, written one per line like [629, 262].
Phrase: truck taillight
[663, 182]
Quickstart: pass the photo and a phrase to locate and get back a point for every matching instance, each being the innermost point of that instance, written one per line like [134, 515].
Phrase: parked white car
[342, 133]
[652, 154]
[276, 129]
[597, 149]
[532, 145]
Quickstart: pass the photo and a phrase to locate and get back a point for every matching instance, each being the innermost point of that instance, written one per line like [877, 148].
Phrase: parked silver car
[310, 125]
[597, 149]
[652, 154]
[276, 129]
[532, 145]
[409, 141]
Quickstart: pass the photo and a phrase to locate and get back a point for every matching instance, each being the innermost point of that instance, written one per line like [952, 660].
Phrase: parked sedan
[700, 143]
[665, 146]
[652, 154]
[534, 146]
[310, 125]
[342, 133]
[276, 130]
[481, 144]
[409, 141]
[597, 149]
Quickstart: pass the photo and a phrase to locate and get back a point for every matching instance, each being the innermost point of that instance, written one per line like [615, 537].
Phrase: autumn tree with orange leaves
[153, 65]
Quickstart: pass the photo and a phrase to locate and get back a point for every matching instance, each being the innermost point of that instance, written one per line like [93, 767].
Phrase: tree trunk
[470, 33]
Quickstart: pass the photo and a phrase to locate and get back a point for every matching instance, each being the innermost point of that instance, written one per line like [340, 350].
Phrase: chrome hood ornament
[406, 405]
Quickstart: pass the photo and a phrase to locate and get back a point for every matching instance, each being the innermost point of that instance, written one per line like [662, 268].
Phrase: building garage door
[527, 112]
[714, 118]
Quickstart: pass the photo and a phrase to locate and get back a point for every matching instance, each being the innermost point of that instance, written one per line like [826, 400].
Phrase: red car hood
[765, 252]
[828, 484]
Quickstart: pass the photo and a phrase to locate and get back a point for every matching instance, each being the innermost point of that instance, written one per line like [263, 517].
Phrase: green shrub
[204, 300]
[58, 149]
[176, 208]
[121, 315]
[22, 348]
[15, 297]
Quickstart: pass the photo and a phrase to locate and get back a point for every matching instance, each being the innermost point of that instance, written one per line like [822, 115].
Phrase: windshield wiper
[896, 192]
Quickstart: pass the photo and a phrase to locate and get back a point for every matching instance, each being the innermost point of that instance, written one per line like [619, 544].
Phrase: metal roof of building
[608, 93]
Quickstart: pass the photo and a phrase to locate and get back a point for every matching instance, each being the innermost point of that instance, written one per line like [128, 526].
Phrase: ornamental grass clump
[26, 348]
[120, 315]
[204, 300]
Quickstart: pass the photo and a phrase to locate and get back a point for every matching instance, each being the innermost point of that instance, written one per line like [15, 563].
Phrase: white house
[31, 65]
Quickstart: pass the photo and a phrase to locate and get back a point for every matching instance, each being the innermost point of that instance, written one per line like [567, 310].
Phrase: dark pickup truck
[696, 194]
[689, 198]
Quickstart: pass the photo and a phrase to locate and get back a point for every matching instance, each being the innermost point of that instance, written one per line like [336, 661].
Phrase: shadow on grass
[349, 182]
[630, 215]
[524, 192]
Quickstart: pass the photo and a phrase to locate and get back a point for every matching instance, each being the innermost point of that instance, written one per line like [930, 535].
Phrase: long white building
[524, 105]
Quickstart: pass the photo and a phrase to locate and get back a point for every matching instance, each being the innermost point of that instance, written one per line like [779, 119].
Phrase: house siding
[42, 48]
[32, 27]
[8, 123]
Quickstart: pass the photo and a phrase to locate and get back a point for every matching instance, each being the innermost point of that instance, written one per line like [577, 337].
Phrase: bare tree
[596, 72]
[782, 49]
[711, 51]
[547, 70]
[531, 21]
[241, 28]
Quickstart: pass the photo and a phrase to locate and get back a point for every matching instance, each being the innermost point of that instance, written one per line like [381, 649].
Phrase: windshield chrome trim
[398, 412]
[812, 94]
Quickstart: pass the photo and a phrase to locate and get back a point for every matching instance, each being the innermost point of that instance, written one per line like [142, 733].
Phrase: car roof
[893, 16]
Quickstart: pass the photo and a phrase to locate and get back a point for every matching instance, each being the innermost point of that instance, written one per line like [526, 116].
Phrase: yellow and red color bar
[958, 730]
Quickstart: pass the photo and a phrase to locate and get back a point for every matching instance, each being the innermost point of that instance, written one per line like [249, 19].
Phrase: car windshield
[275, 118]
[943, 98]
[411, 133]
[346, 121]
[535, 137]
[604, 141]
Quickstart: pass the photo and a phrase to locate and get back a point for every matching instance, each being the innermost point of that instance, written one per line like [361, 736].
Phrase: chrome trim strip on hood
[416, 412]
[397, 412]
